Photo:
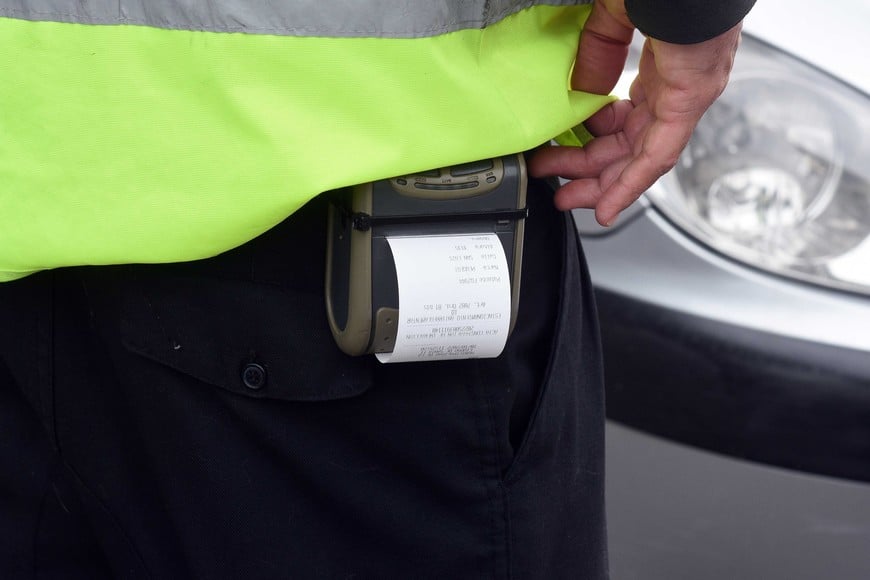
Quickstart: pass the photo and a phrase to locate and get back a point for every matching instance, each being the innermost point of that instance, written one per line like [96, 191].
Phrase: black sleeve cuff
[686, 21]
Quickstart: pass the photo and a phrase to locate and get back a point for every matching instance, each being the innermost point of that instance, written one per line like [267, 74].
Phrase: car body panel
[680, 274]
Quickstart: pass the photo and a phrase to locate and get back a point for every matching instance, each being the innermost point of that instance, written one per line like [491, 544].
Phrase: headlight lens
[777, 173]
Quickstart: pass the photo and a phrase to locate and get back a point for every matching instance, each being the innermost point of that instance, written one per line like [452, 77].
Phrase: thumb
[603, 49]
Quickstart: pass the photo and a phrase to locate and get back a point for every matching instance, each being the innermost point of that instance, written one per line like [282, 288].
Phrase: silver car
[735, 312]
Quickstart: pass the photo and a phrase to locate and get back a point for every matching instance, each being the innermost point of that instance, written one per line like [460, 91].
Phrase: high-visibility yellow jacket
[170, 130]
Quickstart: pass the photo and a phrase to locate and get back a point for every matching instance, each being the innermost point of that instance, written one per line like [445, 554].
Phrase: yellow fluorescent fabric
[123, 144]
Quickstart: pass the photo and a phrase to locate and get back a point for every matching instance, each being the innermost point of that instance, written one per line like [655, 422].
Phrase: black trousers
[132, 446]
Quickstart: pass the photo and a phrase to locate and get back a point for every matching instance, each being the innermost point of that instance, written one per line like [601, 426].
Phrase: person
[191, 417]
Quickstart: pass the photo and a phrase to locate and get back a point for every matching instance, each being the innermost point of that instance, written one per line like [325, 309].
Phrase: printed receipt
[454, 298]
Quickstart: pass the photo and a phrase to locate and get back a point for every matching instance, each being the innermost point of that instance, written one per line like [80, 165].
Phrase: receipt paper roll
[454, 297]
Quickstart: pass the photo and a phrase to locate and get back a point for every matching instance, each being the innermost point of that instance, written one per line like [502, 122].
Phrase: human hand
[637, 140]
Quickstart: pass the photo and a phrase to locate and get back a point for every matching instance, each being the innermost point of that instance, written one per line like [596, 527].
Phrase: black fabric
[686, 21]
[43, 530]
[134, 426]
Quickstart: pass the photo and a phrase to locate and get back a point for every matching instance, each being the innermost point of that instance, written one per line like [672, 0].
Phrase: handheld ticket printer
[362, 282]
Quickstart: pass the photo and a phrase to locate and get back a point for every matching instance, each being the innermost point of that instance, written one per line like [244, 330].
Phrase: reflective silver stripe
[334, 18]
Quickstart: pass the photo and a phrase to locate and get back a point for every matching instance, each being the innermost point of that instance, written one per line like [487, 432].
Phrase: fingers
[609, 145]
[580, 193]
[659, 152]
[613, 171]
[588, 192]
[579, 162]
[636, 141]
[610, 119]
[675, 87]
[632, 182]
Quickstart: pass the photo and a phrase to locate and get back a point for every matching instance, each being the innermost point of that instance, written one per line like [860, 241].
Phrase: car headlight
[777, 174]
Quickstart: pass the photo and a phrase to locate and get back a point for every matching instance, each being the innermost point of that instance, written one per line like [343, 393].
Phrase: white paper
[454, 297]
